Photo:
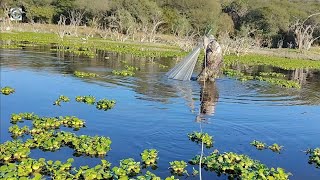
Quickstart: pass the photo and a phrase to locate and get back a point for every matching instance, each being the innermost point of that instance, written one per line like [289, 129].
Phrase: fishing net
[183, 70]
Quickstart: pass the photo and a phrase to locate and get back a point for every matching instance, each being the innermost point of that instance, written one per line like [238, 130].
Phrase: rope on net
[183, 70]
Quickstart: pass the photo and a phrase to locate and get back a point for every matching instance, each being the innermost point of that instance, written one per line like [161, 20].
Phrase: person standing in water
[213, 60]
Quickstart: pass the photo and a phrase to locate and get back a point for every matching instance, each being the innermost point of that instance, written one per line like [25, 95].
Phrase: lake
[152, 111]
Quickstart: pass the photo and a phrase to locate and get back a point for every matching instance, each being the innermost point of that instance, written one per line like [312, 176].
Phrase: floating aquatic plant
[275, 148]
[314, 156]
[7, 90]
[279, 82]
[72, 121]
[61, 98]
[123, 73]
[100, 171]
[16, 131]
[105, 104]
[272, 74]
[149, 157]
[84, 74]
[129, 71]
[16, 118]
[86, 99]
[148, 176]
[128, 168]
[258, 144]
[201, 137]
[92, 146]
[238, 166]
[13, 150]
[178, 167]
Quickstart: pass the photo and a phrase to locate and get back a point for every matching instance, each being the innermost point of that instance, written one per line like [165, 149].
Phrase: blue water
[154, 112]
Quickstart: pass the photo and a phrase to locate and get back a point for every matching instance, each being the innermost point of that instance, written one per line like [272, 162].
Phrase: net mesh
[183, 70]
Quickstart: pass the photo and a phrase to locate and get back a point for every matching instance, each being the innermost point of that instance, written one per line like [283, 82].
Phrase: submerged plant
[275, 148]
[149, 157]
[201, 137]
[7, 90]
[105, 104]
[258, 144]
[314, 156]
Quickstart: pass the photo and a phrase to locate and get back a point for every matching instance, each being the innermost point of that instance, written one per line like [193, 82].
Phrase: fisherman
[213, 60]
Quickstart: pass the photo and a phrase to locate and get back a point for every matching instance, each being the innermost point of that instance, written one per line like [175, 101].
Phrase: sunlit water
[154, 112]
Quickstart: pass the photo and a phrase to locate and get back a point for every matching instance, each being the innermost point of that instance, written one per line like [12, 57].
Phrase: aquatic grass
[284, 63]
[7, 90]
[77, 46]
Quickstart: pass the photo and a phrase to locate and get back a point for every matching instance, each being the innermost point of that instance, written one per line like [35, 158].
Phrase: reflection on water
[209, 96]
[154, 112]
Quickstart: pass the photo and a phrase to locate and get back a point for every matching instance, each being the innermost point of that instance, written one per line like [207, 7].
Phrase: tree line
[272, 23]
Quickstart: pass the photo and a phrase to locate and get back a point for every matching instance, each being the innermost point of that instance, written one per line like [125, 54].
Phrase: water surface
[154, 112]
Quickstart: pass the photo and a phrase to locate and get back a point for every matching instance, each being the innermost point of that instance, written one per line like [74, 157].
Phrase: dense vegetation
[271, 23]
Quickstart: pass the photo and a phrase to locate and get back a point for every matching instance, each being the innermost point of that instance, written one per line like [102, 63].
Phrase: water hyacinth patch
[123, 73]
[86, 99]
[61, 98]
[259, 145]
[91, 146]
[238, 166]
[72, 121]
[105, 104]
[148, 176]
[275, 148]
[149, 157]
[129, 71]
[128, 168]
[314, 156]
[85, 74]
[7, 90]
[100, 171]
[16, 131]
[178, 167]
[13, 150]
[16, 118]
[200, 137]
